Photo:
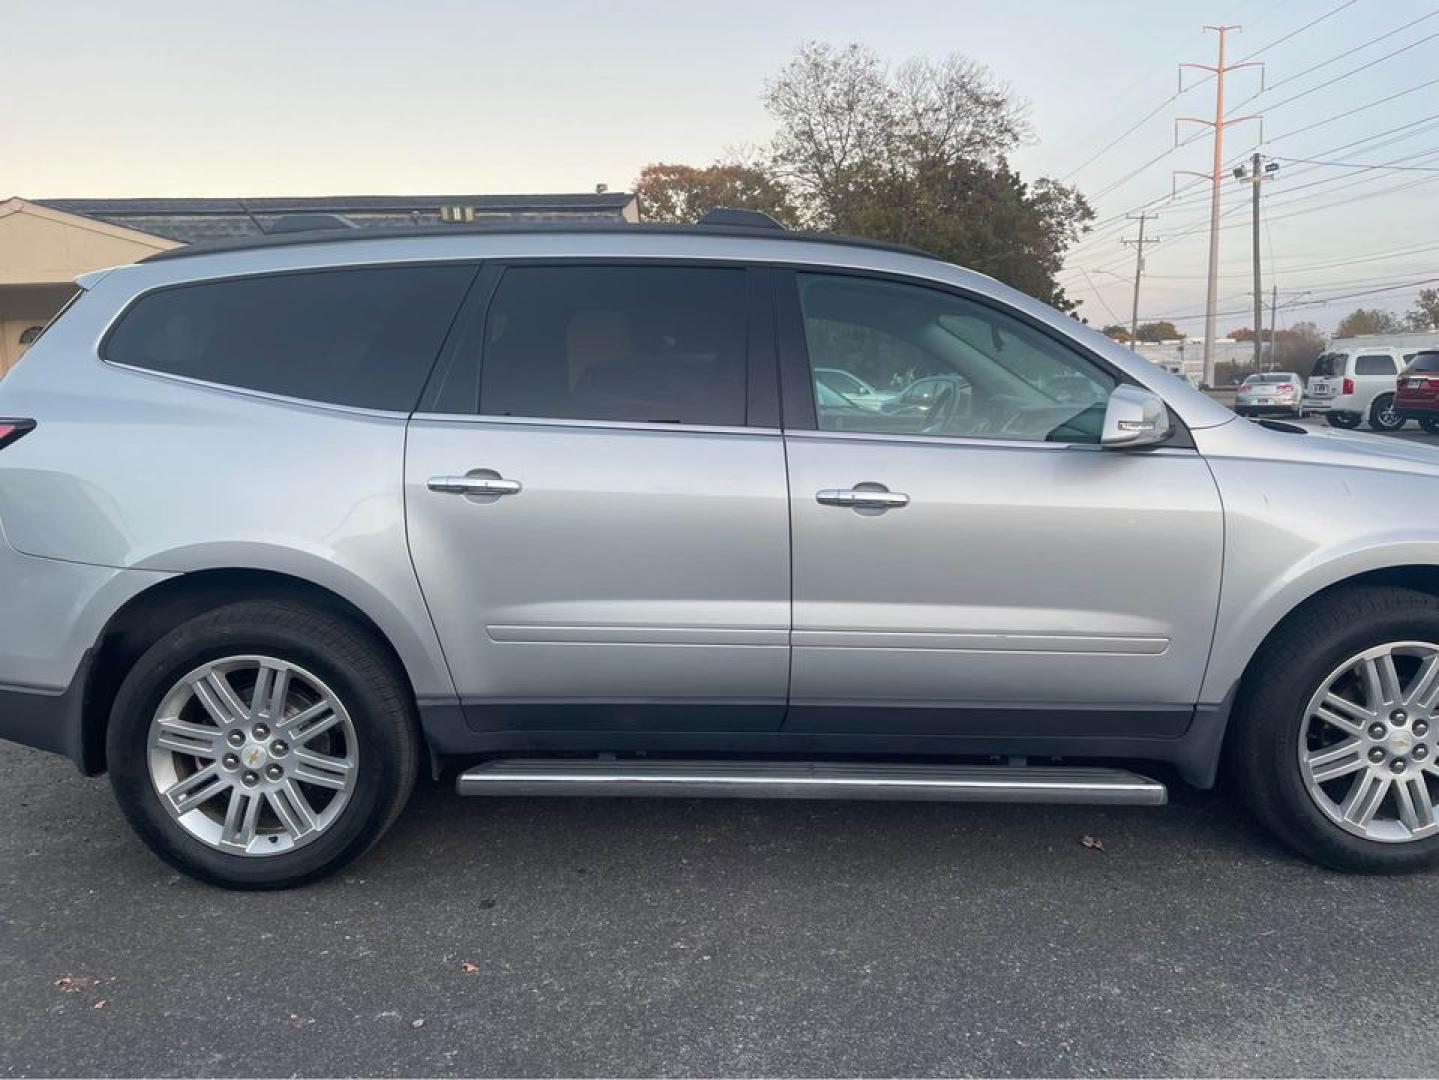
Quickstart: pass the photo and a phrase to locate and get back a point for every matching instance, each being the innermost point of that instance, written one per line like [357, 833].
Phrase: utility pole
[1141, 217]
[1257, 176]
[1219, 123]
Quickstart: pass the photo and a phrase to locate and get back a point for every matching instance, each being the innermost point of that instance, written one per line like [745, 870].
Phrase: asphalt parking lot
[626, 937]
[569, 937]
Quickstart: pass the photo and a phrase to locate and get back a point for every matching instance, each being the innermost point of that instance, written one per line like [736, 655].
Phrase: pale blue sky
[156, 97]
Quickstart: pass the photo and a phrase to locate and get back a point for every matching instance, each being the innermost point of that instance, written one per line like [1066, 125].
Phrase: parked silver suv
[284, 523]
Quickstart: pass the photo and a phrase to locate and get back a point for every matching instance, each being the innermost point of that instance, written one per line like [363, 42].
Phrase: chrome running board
[812, 780]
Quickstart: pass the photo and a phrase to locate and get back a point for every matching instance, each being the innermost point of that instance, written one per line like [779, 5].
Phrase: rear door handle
[474, 485]
[873, 498]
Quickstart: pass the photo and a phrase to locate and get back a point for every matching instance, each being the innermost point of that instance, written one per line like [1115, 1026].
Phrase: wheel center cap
[1401, 742]
[253, 756]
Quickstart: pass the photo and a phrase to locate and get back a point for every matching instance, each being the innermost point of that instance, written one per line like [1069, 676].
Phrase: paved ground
[695, 937]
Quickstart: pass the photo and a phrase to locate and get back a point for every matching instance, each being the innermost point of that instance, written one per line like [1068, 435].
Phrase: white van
[1350, 386]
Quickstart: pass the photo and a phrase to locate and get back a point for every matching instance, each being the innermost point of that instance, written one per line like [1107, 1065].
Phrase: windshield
[1425, 361]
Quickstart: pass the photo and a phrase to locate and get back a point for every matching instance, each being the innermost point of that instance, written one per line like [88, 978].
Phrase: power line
[1352, 165]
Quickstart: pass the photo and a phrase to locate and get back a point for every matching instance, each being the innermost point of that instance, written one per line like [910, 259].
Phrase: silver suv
[562, 511]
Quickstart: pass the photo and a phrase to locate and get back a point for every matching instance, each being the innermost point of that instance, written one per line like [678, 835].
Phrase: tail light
[1284, 388]
[1349, 386]
[10, 430]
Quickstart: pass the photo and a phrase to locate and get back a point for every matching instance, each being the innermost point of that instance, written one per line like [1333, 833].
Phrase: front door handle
[874, 498]
[474, 485]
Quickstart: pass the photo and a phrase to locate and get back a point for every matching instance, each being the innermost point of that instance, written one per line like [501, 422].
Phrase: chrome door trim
[960, 641]
[756, 637]
[596, 425]
[961, 441]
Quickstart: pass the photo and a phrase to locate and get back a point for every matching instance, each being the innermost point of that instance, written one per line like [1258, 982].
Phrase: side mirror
[1134, 417]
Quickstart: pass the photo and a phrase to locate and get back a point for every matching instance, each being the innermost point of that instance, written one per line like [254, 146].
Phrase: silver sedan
[1271, 392]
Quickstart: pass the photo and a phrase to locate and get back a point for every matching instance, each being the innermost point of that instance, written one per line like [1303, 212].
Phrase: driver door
[976, 563]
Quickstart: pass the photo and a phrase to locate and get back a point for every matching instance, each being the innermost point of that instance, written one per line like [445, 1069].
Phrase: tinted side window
[941, 364]
[662, 345]
[365, 338]
[1374, 364]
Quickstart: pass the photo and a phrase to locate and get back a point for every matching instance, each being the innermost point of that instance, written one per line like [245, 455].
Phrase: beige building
[46, 244]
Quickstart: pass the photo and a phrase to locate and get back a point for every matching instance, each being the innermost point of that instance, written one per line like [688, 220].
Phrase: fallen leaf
[418, 1023]
[469, 968]
[72, 983]
[1092, 842]
[100, 1004]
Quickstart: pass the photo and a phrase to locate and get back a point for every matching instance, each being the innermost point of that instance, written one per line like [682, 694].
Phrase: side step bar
[812, 780]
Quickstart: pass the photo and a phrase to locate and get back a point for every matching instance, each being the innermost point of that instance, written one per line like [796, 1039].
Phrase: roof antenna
[253, 219]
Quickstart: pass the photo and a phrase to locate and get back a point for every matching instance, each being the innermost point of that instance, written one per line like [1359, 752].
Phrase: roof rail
[341, 235]
[729, 217]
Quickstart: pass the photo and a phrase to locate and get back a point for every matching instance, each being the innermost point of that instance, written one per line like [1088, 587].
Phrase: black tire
[1262, 757]
[1381, 408]
[1431, 426]
[1347, 421]
[360, 672]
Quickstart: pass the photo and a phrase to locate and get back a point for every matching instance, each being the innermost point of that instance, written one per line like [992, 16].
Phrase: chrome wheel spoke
[183, 737]
[322, 770]
[242, 814]
[252, 755]
[1415, 808]
[292, 808]
[304, 726]
[1364, 797]
[1338, 760]
[1424, 687]
[272, 689]
[196, 788]
[1381, 681]
[214, 692]
[1344, 714]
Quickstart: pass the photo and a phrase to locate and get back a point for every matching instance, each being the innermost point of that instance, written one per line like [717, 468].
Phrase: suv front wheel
[262, 745]
[1336, 745]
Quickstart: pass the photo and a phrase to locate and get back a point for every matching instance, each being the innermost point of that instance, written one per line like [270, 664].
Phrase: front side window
[1374, 364]
[664, 345]
[944, 365]
[365, 338]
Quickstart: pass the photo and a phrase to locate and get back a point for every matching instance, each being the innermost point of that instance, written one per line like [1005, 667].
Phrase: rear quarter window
[1375, 364]
[365, 338]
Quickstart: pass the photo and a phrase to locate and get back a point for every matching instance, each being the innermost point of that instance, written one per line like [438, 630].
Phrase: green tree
[683, 193]
[1158, 331]
[1368, 321]
[917, 155]
[1424, 315]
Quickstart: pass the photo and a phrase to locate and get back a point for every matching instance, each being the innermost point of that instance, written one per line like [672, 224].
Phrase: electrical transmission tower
[1219, 123]
[1140, 217]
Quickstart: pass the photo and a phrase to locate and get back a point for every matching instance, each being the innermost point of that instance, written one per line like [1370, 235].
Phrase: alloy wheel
[252, 755]
[1369, 743]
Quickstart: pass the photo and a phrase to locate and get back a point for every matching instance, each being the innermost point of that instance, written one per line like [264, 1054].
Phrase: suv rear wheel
[262, 745]
[1344, 420]
[1382, 416]
[1336, 745]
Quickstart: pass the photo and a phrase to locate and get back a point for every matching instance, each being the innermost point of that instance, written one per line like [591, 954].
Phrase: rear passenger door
[597, 503]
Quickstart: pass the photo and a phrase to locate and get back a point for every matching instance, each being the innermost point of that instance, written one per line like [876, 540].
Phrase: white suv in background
[1354, 385]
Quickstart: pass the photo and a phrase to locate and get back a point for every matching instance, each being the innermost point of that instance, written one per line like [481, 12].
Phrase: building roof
[191, 220]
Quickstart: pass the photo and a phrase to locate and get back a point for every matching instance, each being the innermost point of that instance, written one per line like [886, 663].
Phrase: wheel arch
[148, 615]
[1420, 577]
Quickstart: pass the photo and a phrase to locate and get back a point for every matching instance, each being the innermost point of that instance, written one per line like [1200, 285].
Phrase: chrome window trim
[594, 425]
[962, 440]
